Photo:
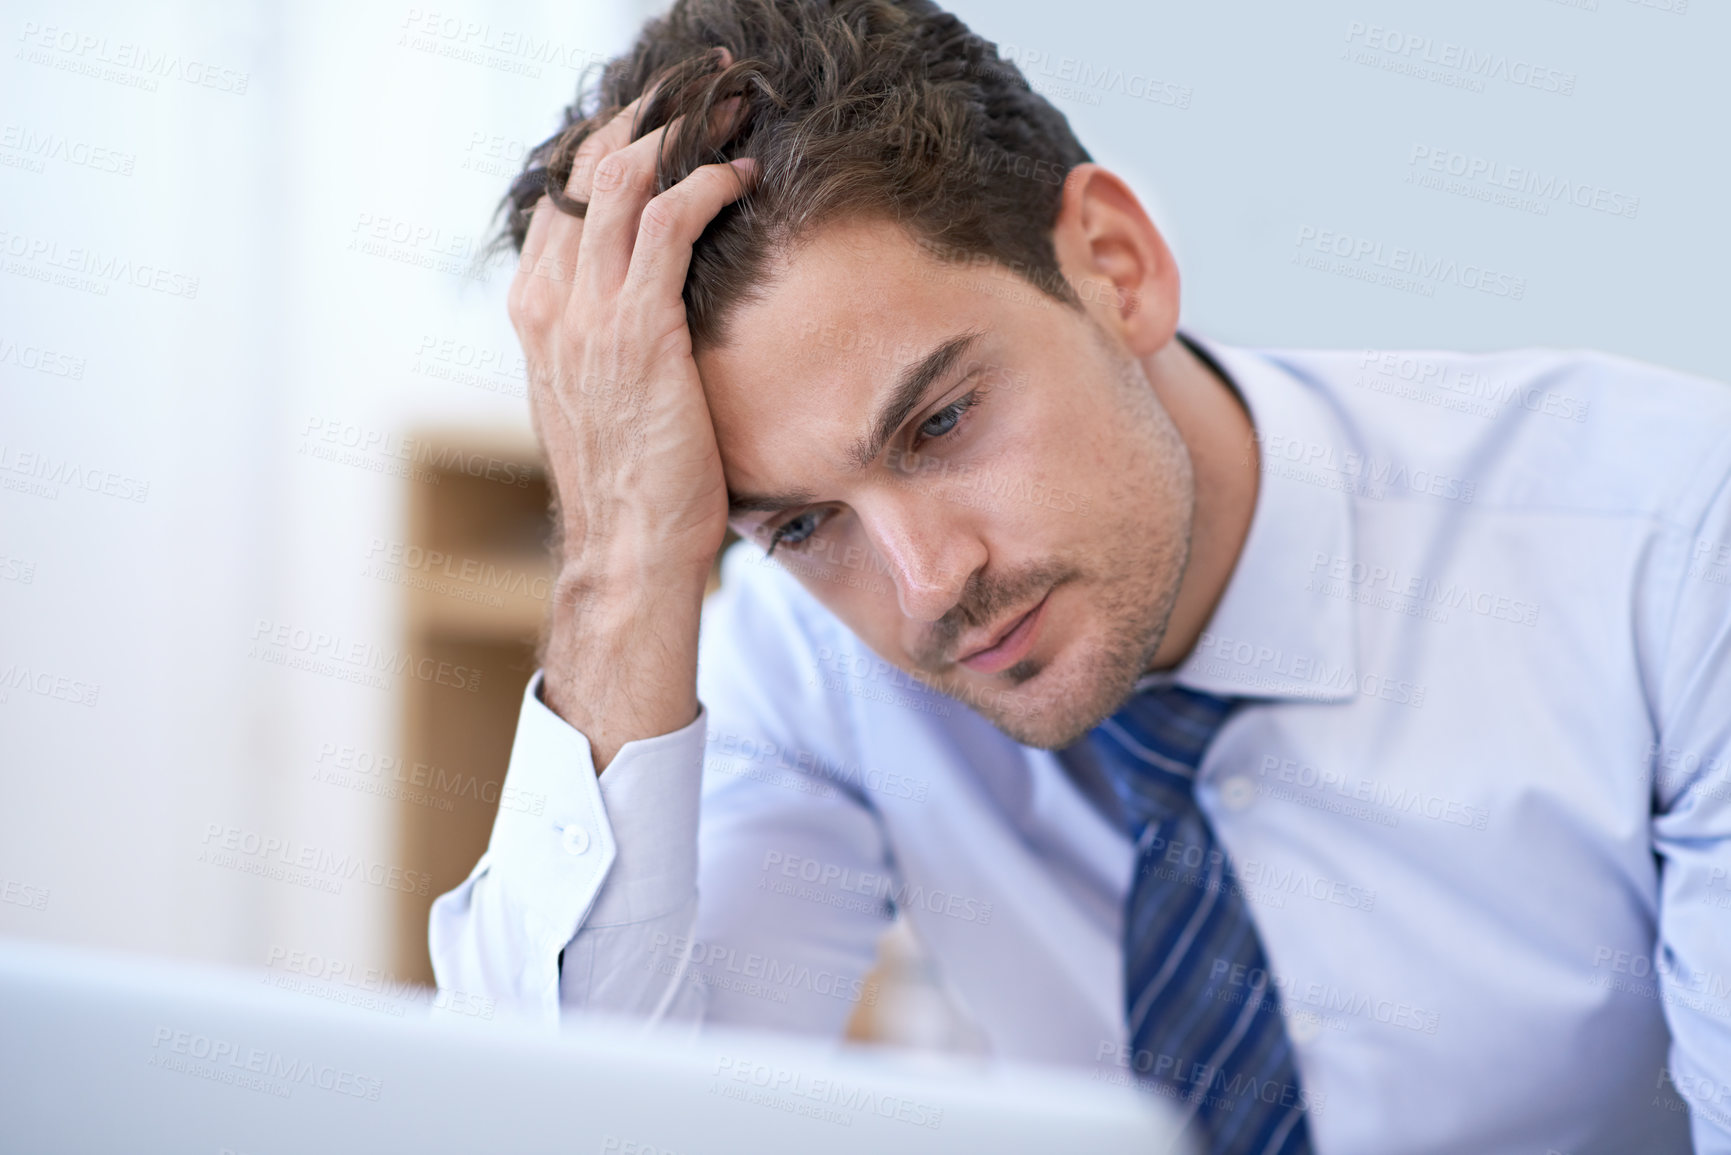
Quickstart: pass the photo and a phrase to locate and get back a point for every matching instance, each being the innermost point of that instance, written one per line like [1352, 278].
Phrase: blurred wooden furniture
[480, 606]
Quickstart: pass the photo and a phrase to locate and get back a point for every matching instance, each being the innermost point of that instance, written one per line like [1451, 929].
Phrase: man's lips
[1005, 649]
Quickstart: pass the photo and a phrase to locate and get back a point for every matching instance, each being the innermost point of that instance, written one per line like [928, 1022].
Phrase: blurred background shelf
[478, 602]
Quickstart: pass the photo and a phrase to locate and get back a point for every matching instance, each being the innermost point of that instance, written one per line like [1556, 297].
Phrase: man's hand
[622, 417]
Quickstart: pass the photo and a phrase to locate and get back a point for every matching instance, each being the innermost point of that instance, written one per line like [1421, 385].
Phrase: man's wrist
[603, 560]
[619, 591]
[621, 656]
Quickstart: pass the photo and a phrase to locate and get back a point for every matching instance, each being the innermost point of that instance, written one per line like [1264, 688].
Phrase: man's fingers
[535, 237]
[548, 260]
[558, 257]
[556, 244]
[615, 135]
[535, 297]
[624, 185]
[671, 223]
[609, 138]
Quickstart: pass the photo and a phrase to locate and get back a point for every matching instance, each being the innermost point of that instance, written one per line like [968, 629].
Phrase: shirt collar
[1277, 632]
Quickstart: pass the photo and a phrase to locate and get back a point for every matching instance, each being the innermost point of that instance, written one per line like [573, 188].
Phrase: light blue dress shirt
[1481, 802]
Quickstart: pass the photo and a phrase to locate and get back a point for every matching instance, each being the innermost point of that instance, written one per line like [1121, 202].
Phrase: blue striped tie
[1200, 1031]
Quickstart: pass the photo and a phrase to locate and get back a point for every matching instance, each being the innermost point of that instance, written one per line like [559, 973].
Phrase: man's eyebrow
[766, 503]
[910, 390]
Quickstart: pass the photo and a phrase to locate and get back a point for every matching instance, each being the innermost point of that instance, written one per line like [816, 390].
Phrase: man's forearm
[621, 658]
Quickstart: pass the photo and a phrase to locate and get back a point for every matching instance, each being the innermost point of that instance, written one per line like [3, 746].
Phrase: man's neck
[1217, 429]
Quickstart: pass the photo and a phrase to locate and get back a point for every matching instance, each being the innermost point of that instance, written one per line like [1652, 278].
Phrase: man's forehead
[812, 355]
[855, 291]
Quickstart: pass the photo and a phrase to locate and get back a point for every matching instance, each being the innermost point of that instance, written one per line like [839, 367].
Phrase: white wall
[1281, 133]
[319, 120]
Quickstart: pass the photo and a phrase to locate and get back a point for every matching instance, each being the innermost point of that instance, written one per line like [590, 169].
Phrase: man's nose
[930, 555]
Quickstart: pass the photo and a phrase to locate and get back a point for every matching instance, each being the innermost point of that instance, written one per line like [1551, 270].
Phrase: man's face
[978, 481]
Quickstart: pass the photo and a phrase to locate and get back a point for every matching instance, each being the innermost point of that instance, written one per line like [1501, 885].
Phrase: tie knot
[1152, 746]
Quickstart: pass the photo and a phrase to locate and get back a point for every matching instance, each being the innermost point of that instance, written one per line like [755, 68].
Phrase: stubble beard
[1137, 578]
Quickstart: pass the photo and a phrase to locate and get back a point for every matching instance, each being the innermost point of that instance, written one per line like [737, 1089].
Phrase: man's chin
[1050, 730]
[1057, 706]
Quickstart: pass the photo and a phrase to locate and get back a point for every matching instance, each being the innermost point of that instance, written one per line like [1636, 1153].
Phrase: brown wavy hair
[886, 108]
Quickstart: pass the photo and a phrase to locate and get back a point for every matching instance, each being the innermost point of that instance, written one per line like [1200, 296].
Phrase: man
[1335, 743]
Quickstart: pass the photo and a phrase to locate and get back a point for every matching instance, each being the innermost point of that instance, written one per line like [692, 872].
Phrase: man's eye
[794, 531]
[946, 419]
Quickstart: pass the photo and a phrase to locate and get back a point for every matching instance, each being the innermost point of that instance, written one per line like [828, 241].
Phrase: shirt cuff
[573, 848]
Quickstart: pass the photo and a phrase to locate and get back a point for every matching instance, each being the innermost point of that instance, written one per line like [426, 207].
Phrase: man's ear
[1116, 260]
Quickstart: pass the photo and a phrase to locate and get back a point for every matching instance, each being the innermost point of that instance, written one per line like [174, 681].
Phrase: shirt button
[1237, 792]
[575, 839]
[1303, 1027]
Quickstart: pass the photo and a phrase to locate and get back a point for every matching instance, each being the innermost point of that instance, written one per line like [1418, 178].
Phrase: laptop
[102, 1052]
